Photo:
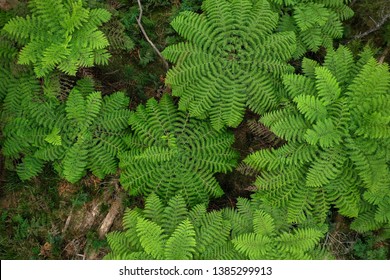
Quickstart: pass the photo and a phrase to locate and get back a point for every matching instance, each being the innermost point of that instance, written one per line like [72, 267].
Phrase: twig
[377, 26]
[139, 18]
[67, 221]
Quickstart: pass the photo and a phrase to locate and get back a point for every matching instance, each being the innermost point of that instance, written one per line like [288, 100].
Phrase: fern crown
[233, 58]
[337, 129]
[84, 133]
[170, 153]
[60, 34]
[315, 22]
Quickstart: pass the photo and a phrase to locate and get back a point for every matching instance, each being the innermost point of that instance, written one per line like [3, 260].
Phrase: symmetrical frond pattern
[337, 128]
[170, 153]
[172, 233]
[157, 233]
[60, 34]
[84, 133]
[315, 22]
[233, 58]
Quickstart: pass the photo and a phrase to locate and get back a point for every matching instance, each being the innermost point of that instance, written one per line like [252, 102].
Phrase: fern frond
[255, 246]
[181, 244]
[151, 237]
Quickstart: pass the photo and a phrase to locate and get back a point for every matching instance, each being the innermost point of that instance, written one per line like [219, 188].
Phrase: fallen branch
[384, 54]
[139, 18]
[377, 26]
[115, 209]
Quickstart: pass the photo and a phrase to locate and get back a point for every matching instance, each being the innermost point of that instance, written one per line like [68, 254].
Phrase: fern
[338, 140]
[248, 232]
[233, 59]
[84, 133]
[170, 153]
[60, 34]
[195, 234]
[269, 235]
[315, 22]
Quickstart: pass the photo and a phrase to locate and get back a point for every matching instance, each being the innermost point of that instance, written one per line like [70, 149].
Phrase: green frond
[309, 15]
[174, 214]
[366, 222]
[119, 245]
[312, 107]
[326, 85]
[326, 167]
[75, 107]
[315, 22]
[298, 85]
[151, 237]
[181, 244]
[154, 209]
[263, 223]
[299, 240]
[254, 246]
[324, 133]
[130, 220]
[309, 69]
[30, 167]
[291, 128]
[345, 193]
[75, 162]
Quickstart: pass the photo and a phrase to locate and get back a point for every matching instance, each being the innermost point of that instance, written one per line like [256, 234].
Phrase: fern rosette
[60, 34]
[262, 232]
[83, 133]
[170, 153]
[338, 138]
[233, 58]
[173, 232]
[315, 22]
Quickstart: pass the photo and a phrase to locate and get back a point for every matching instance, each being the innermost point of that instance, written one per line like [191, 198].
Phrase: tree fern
[83, 133]
[198, 234]
[170, 153]
[195, 235]
[337, 128]
[233, 58]
[269, 235]
[60, 34]
[315, 22]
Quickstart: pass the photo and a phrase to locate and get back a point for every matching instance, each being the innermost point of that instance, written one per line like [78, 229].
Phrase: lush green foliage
[315, 22]
[85, 132]
[338, 140]
[233, 58]
[331, 117]
[170, 153]
[60, 34]
[174, 232]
